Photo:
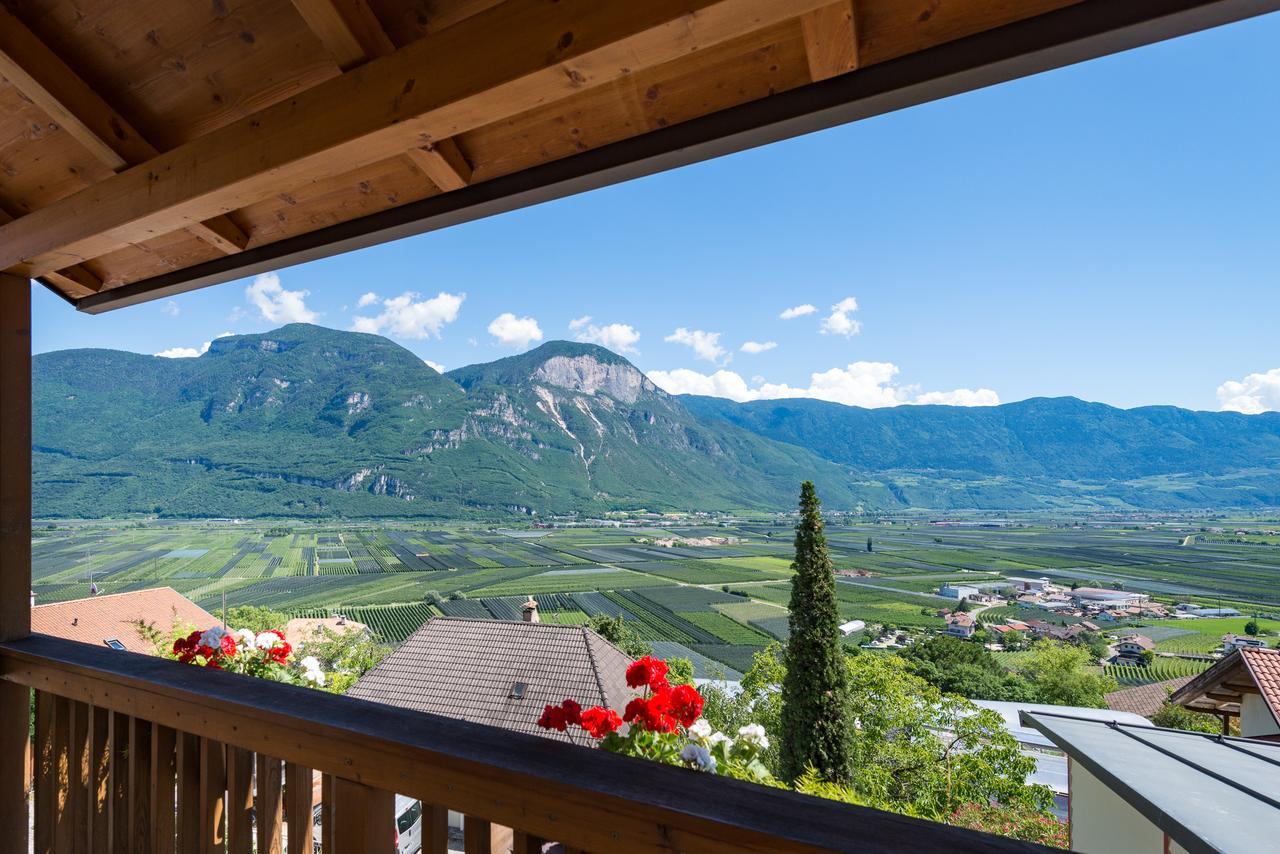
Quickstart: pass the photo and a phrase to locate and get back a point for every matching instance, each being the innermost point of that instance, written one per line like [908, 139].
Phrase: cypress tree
[815, 726]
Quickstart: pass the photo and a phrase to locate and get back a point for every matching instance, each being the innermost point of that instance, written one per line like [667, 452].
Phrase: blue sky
[1108, 231]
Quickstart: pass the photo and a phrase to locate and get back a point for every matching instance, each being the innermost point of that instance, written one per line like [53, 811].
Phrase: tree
[255, 617]
[1172, 716]
[345, 655]
[920, 751]
[1014, 640]
[954, 666]
[964, 605]
[1251, 627]
[869, 544]
[758, 700]
[814, 731]
[616, 631]
[1060, 675]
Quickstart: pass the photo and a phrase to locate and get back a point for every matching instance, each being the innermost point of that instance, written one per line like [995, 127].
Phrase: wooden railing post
[364, 818]
[188, 790]
[99, 779]
[239, 800]
[15, 549]
[164, 778]
[270, 807]
[213, 789]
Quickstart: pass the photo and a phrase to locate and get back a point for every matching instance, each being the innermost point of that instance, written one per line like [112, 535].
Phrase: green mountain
[307, 421]
[312, 422]
[1038, 453]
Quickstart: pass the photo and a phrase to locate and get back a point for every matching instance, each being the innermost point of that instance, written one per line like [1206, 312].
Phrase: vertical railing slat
[435, 829]
[16, 764]
[45, 774]
[326, 813]
[477, 836]
[364, 818]
[78, 774]
[299, 781]
[526, 843]
[118, 805]
[213, 787]
[140, 786]
[63, 802]
[188, 793]
[164, 743]
[270, 805]
[99, 819]
[239, 800]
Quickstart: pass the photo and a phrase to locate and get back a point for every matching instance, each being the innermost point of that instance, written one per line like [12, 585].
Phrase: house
[1134, 646]
[852, 627]
[1139, 789]
[1031, 585]
[1144, 700]
[302, 630]
[958, 591]
[1244, 685]
[1230, 642]
[112, 619]
[1018, 625]
[961, 625]
[499, 673]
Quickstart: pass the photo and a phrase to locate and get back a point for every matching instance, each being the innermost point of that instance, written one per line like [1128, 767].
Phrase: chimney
[531, 611]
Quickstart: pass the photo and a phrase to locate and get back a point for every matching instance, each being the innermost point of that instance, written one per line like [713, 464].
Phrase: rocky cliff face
[589, 375]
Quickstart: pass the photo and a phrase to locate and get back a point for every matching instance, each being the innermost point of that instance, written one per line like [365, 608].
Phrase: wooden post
[364, 819]
[15, 547]
[270, 809]
[299, 795]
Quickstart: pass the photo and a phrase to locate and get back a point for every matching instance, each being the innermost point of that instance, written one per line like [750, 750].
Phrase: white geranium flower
[246, 638]
[700, 729]
[310, 663]
[754, 734]
[266, 640]
[213, 637]
[314, 676]
[717, 737]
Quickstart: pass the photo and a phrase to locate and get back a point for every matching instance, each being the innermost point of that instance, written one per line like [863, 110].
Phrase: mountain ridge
[314, 422]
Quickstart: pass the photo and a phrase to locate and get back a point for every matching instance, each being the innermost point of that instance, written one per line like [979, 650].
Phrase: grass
[1205, 633]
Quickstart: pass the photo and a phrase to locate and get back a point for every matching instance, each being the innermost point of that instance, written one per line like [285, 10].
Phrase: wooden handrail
[587, 799]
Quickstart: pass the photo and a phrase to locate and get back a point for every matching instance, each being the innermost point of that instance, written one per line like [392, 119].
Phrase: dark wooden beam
[1076, 33]
[15, 547]
[831, 40]
[348, 29]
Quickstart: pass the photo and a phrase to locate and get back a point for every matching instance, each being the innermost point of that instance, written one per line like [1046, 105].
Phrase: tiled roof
[466, 669]
[1138, 640]
[1144, 700]
[299, 630]
[100, 618]
[1264, 666]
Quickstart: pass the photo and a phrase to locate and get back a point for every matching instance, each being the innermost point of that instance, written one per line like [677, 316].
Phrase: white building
[958, 591]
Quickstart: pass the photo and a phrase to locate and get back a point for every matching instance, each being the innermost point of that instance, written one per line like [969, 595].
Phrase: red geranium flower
[652, 714]
[646, 672]
[228, 646]
[599, 721]
[686, 704]
[552, 718]
[279, 652]
[572, 712]
[205, 650]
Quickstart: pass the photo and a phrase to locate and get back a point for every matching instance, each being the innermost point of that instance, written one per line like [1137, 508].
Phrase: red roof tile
[1264, 666]
[112, 617]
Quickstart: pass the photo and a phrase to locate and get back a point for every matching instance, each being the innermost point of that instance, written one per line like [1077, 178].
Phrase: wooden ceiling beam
[48, 82]
[442, 162]
[831, 39]
[74, 281]
[484, 69]
[353, 35]
[348, 29]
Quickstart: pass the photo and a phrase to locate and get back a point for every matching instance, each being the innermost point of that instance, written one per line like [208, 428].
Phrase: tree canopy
[955, 666]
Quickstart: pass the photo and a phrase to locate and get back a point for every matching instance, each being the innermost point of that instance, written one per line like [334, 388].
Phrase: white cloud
[171, 308]
[410, 316]
[512, 331]
[190, 352]
[758, 346]
[618, 337]
[838, 322]
[1255, 393]
[867, 384]
[705, 345]
[797, 311]
[436, 366]
[277, 304]
[366, 299]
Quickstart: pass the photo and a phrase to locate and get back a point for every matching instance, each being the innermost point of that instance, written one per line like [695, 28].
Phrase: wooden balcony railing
[139, 754]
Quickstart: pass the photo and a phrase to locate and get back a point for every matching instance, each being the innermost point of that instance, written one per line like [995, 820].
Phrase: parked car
[408, 826]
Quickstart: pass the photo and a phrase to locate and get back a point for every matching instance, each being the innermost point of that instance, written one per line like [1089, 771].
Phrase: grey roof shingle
[465, 669]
